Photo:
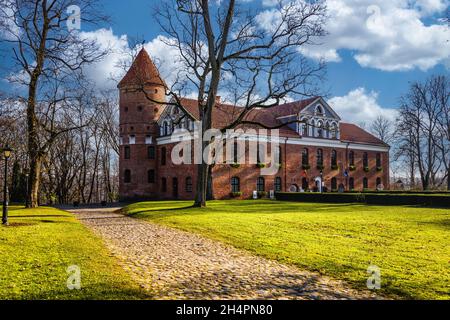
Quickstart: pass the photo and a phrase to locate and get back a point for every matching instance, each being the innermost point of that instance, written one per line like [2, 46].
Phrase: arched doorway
[318, 182]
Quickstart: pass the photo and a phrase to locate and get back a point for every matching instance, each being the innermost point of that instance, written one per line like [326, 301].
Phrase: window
[126, 152]
[277, 185]
[333, 131]
[378, 183]
[188, 184]
[365, 183]
[327, 130]
[163, 185]
[166, 128]
[319, 110]
[378, 160]
[320, 129]
[132, 139]
[305, 157]
[261, 153]
[365, 160]
[140, 108]
[319, 157]
[151, 176]
[333, 158]
[305, 184]
[280, 158]
[260, 184]
[351, 158]
[163, 156]
[127, 176]
[304, 128]
[235, 151]
[235, 184]
[351, 184]
[333, 184]
[148, 139]
[151, 152]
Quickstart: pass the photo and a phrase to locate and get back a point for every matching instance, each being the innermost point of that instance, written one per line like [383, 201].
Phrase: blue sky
[134, 18]
[374, 49]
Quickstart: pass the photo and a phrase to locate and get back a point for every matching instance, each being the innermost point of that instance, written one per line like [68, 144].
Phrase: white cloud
[107, 72]
[360, 106]
[389, 35]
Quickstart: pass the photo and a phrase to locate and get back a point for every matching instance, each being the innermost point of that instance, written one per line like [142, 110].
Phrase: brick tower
[138, 127]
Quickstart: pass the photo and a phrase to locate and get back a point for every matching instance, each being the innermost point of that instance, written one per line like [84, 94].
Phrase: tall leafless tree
[423, 127]
[253, 56]
[49, 57]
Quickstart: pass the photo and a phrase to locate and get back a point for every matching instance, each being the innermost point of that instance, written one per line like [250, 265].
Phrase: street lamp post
[26, 186]
[6, 154]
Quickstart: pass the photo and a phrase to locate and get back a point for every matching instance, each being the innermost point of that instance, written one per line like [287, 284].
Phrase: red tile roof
[352, 133]
[142, 71]
[224, 114]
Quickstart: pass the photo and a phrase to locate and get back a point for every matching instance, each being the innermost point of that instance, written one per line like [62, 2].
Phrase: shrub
[261, 165]
[262, 194]
[320, 167]
[352, 168]
[334, 167]
[366, 169]
[306, 166]
[235, 165]
[379, 169]
[236, 194]
[432, 200]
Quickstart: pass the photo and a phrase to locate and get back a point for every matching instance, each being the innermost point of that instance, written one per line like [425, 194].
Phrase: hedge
[432, 200]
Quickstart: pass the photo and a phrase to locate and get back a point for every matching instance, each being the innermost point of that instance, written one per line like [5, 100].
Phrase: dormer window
[319, 110]
[166, 128]
[320, 129]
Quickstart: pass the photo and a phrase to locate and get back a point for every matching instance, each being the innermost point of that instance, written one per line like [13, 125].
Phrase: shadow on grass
[443, 223]
[37, 216]
[100, 291]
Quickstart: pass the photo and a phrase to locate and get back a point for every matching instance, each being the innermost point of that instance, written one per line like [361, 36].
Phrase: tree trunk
[448, 179]
[33, 146]
[202, 183]
[34, 181]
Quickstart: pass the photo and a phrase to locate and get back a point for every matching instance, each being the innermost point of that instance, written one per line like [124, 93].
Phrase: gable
[320, 108]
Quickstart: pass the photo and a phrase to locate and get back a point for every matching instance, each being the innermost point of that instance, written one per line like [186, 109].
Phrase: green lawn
[39, 246]
[410, 245]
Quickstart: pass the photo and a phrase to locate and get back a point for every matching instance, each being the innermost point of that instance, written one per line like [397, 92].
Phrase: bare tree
[382, 128]
[251, 55]
[49, 56]
[423, 129]
[441, 88]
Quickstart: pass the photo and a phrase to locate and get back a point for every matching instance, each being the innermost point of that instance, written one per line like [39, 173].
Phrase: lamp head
[7, 152]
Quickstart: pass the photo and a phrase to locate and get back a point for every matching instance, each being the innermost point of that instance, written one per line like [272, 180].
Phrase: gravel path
[173, 264]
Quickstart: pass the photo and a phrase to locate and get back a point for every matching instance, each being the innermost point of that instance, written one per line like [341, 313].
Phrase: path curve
[173, 264]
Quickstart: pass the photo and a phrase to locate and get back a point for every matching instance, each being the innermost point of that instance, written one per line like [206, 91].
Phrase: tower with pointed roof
[141, 92]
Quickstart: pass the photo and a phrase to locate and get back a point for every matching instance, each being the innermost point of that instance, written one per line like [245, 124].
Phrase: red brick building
[316, 147]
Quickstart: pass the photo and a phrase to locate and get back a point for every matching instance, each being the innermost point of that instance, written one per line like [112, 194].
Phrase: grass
[411, 245]
[38, 247]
